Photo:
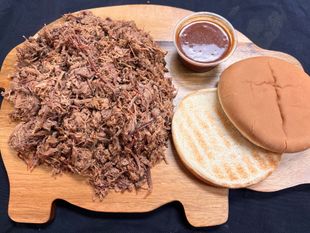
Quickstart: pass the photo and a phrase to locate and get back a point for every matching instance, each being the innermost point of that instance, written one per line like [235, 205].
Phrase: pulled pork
[92, 99]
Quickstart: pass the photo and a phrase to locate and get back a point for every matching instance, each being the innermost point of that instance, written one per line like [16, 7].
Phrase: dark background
[277, 25]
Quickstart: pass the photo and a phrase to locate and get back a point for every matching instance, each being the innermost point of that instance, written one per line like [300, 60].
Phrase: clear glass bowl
[209, 17]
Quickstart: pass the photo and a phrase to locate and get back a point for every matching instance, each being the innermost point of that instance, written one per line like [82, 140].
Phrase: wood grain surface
[32, 193]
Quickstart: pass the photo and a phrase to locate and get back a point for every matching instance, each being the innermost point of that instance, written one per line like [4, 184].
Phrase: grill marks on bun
[213, 149]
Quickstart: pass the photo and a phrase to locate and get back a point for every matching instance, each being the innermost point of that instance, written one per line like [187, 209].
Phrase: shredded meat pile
[92, 99]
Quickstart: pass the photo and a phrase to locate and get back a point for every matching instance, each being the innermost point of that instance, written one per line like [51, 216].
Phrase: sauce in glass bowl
[203, 41]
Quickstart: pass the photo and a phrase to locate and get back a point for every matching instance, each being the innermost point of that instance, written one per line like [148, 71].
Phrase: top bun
[268, 100]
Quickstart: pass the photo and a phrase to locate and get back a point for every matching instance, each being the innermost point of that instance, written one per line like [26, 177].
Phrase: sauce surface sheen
[203, 41]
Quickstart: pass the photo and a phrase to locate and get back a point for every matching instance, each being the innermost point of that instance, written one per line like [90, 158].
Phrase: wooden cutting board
[32, 193]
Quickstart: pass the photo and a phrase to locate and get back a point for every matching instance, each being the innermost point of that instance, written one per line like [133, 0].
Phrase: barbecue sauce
[203, 41]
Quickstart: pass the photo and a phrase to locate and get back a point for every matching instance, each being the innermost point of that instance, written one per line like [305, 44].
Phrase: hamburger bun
[267, 99]
[212, 148]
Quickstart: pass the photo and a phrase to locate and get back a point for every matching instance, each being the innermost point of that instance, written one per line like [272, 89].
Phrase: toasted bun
[267, 99]
[212, 148]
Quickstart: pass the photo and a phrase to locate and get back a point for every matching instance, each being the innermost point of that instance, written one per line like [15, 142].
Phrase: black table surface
[282, 25]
